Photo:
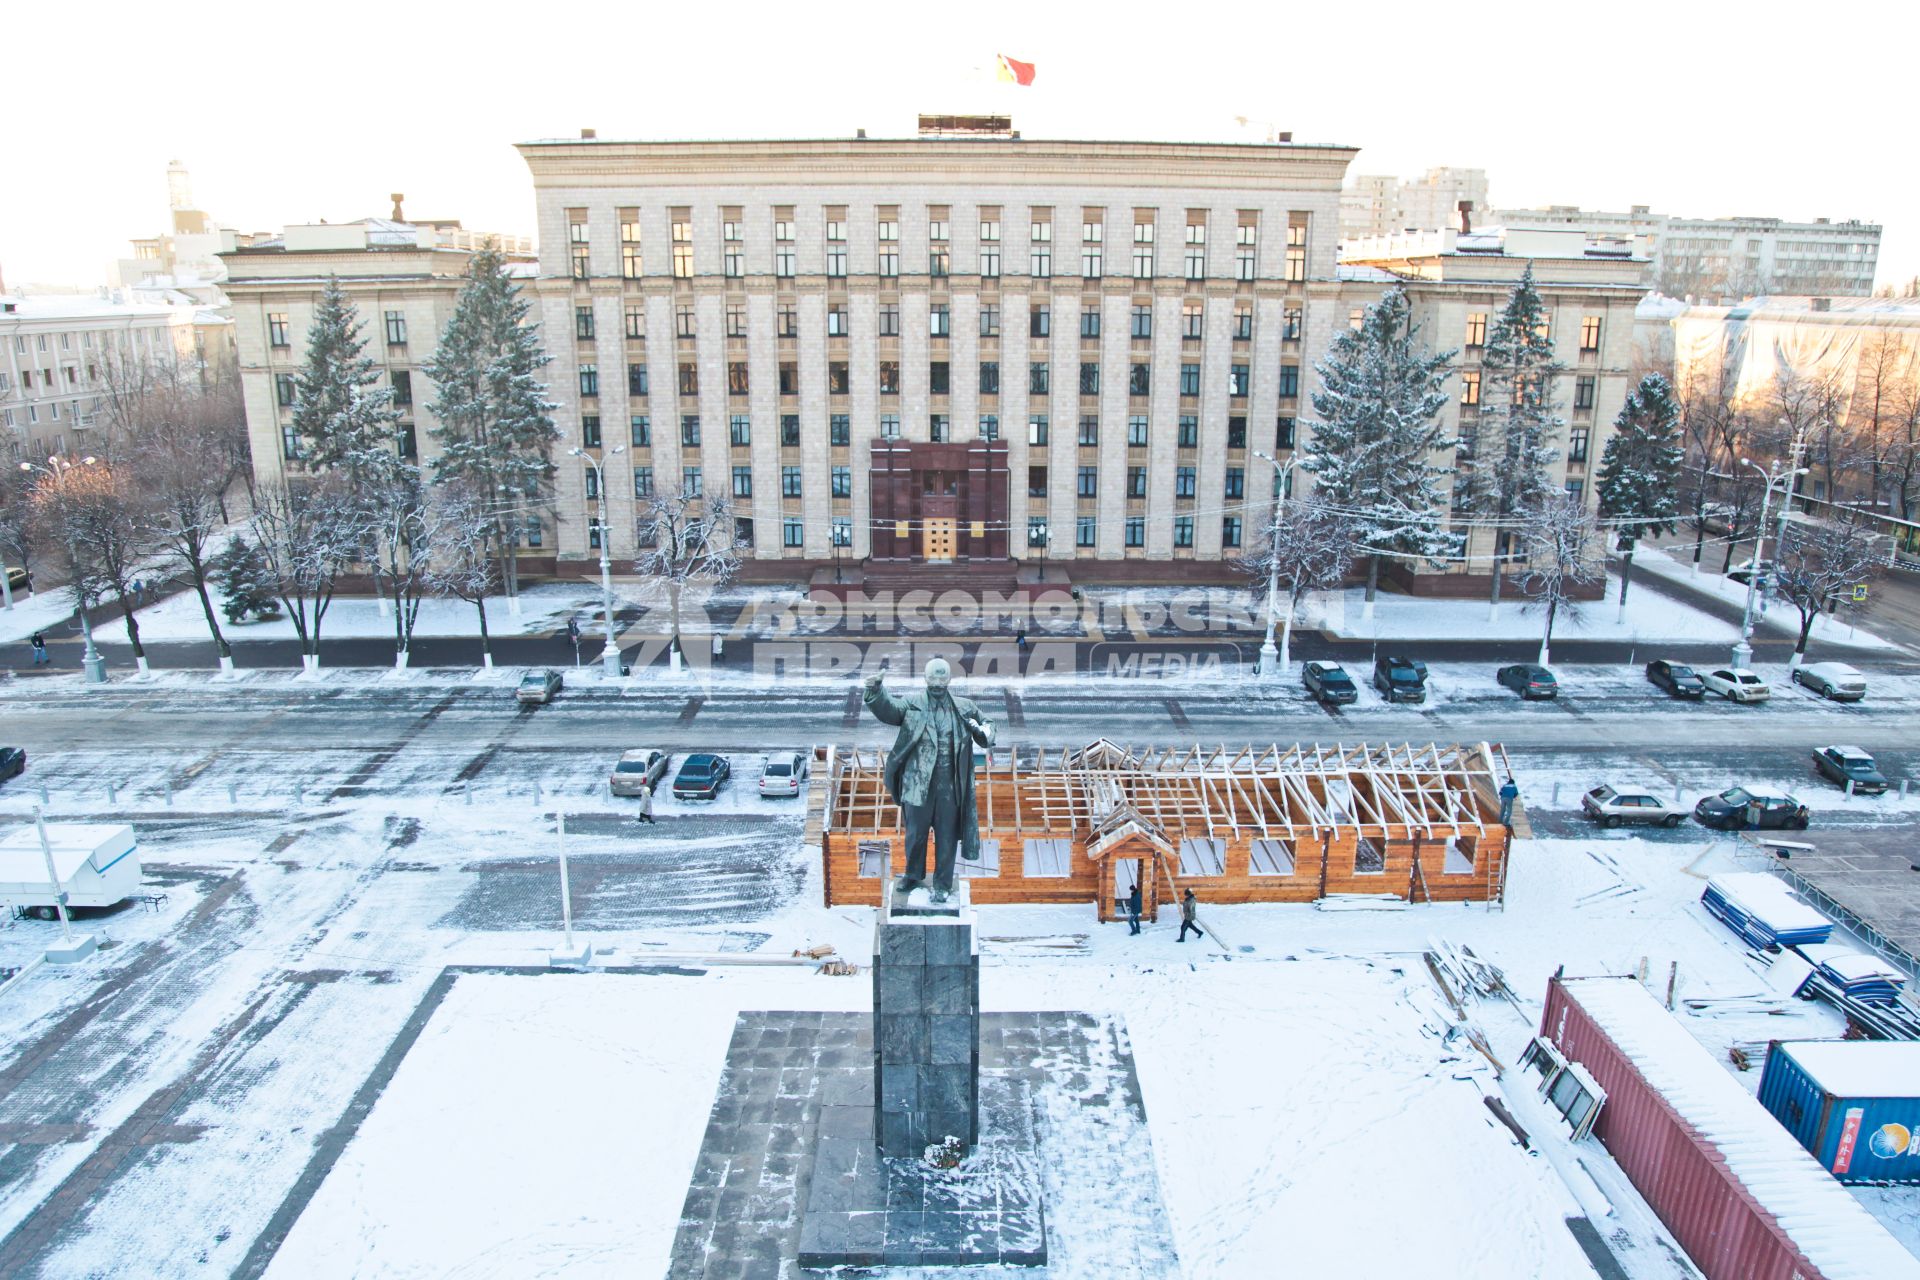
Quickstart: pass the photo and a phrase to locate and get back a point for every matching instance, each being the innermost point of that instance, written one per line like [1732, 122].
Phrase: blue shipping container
[1855, 1104]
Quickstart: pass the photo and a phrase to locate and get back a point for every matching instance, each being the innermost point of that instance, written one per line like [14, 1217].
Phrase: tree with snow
[307, 531]
[686, 538]
[1564, 553]
[345, 418]
[95, 519]
[1371, 451]
[1817, 566]
[403, 529]
[1639, 479]
[17, 544]
[496, 430]
[1307, 547]
[245, 581]
[1506, 469]
[463, 564]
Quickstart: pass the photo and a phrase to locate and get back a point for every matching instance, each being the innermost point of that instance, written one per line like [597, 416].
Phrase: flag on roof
[1015, 71]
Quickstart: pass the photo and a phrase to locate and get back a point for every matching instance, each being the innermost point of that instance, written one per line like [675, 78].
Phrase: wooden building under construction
[1256, 824]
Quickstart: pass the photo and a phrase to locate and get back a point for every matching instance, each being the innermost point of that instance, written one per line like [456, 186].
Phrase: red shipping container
[1742, 1197]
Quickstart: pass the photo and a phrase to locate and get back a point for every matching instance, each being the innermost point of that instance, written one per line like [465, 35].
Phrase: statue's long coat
[909, 772]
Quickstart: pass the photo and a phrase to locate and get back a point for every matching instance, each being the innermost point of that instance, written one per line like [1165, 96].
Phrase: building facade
[1728, 259]
[817, 329]
[58, 351]
[1377, 205]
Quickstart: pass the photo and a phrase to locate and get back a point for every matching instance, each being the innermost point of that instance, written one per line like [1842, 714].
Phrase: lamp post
[1271, 662]
[609, 656]
[1743, 647]
[57, 470]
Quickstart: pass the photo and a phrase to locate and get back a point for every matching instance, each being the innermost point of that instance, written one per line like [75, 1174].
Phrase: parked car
[18, 579]
[637, 770]
[701, 777]
[539, 686]
[13, 762]
[783, 774]
[1610, 806]
[1850, 764]
[1737, 684]
[1529, 681]
[1329, 682]
[1400, 679]
[1677, 678]
[1835, 680]
[1751, 809]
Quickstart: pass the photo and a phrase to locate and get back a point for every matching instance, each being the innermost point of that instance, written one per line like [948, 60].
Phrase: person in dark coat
[39, 649]
[1133, 907]
[1509, 792]
[1189, 905]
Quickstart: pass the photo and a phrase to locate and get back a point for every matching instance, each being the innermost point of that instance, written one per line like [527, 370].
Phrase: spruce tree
[1505, 473]
[496, 430]
[345, 419]
[1639, 479]
[1371, 452]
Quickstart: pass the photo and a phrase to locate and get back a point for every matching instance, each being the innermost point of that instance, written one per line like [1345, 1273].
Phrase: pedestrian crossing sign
[1860, 593]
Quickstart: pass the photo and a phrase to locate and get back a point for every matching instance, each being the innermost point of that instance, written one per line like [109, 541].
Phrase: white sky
[1692, 107]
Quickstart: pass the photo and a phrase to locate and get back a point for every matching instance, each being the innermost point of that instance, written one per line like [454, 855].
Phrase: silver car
[784, 773]
[1835, 680]
[637, 771]
[1610, 806]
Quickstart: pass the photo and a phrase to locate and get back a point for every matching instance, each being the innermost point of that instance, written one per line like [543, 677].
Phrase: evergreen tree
[345, 419]
[1639, 479]
[243, 577]
[496, 430]
[1505, 472]
[1371, 452]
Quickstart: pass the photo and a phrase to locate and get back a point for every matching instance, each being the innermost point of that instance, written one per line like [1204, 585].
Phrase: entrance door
[940, 538]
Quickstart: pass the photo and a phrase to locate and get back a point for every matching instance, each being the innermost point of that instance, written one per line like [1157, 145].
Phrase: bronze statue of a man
[930, 774]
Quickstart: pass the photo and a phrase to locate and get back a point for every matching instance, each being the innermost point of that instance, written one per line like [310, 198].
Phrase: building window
[590, 432]
[837, 247]
[1246, 241]
[1297, 251]
[1236, 433]
[637, 380]
[682, 228]
[1036, 531]
[589, 380]
[1576, 489]
[1238, 380]
[990, 248]
[787, 321]
[889, 378]
[402, 387]
[1577, 444]
[1090, 322]
[1583, 387]
[739, 430]
[789, 431]
[1136, 482]
[889, 426]
[840, 430]
[1089, 430]
[593, 530]
[1477, 329]
[989, 321]
[1183, 531]
[690, 430]
[1470, 386]
[636, 322]
[1036, 482]
[783, 244]
[1037, 429]
[937, 428]
[842, 479]
[1136, 531]
[683, 322]
[690, 483]
[989, 426]
[1589, 333]
[940, 321]
[889, 259]
[737, 319]
[787, 375]
[277, 329]
[1189, 379]
[842, 531]
[689, 379]
[890, 320]
[640, 431]
[582, 260]
[1039, 379]
[1189, 431]
[1137, 431]
[289, 437]
[582, 324]
[1192, 316]
[1089, 482]
[643, 482]
[1142, 321]
[1085, 531]
[1089, 377]
[937, 378]
[1039, 321]
[736, 377]
[789, 482]
[837, 377]
[1142, 250]
[937, 260]
[1139, 378]
[989, 377]
[396, 329]
[1283, 432]
[791, 532]
[630, 262]
[1230, 531]
[1289, 381]
[534, 532]
[1236, 482]
[1291, 324]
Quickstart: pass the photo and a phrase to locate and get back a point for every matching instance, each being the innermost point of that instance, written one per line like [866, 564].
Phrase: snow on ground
[46, 612]
[543, 609]
[1676, 564]
[1396, 617]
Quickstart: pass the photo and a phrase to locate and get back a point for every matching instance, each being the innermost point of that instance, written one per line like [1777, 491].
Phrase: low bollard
[233, 793]
[43, 795]
[1676, 793]
[1903, 788]
[169, 793]
[1849, 788]
[1556, 795]
[466, 791]
[299, 793]
[113, 793]
[536, 795]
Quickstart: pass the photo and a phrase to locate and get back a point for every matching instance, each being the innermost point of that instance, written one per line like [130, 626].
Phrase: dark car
[1677, 678]
[1751, 809]
[1400, 679]
[13, 762]
[1529, 681]
[1850, 764]
[1329, 683]
[701, 777]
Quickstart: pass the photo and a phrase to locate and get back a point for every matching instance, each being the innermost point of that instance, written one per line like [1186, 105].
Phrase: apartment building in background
[1376, 205]
[58, 351]
[963, 348]
[1725, 260]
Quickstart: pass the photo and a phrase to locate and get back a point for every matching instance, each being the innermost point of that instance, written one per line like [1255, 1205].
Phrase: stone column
[926, 1024]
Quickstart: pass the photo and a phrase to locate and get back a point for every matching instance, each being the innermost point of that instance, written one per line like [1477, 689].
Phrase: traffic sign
[1860, 593]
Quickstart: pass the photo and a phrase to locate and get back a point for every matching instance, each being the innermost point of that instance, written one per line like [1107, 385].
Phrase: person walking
[1509, 792]
[1189, 905]
[646, 806]
[39, 649]
[1133, 905]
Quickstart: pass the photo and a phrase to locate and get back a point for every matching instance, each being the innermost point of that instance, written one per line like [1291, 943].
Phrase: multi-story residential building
[1728, 259]
[1458, 284]
[964, 349]
[403, 278]
[57, 353]
[1375, 205]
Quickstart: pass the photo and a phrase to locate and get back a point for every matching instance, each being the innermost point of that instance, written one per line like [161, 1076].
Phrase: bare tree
[1308, 546]
[95, 521]
[307, 532]
[1565, 553]
[1810, 409]
[17, 544]
[1901, 464]
[463, 563]
[686, 538]
[1818, 566]
[403, 530]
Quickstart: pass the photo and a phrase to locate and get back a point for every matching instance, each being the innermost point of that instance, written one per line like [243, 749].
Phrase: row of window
[1477, 331]
[939, 379]
[402, 383]
[939, 322]
[939, 428]
[1586, 388]
[886, 259]
[280, 334]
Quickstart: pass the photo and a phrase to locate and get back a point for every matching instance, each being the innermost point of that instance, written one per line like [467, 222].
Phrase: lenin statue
[930, 774]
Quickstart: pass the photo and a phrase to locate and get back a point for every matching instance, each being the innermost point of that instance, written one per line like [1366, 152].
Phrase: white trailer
[98, 864]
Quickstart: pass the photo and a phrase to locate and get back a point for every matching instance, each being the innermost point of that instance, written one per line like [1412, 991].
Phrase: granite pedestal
[926, 1022]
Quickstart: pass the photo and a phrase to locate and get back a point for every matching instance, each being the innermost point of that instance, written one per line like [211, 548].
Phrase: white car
[784, 774]
[1609, 806]
[637, 770]
[1835, 680]
[1737, 684]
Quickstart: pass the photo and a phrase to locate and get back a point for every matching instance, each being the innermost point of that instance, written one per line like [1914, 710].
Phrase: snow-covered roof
[1658, 306]
[1361, 272]
[1860, 1068]
[77, 306]
[1835, 1232]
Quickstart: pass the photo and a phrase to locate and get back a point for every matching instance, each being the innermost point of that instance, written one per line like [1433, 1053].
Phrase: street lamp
[1272, 663]
[610, 656]
[1743, 648]
[57, 470]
